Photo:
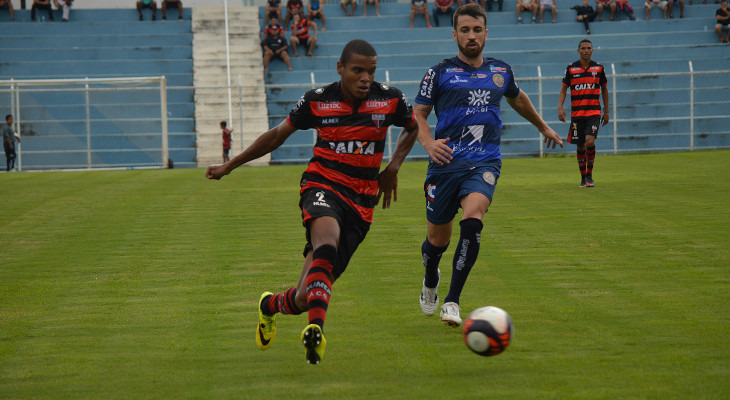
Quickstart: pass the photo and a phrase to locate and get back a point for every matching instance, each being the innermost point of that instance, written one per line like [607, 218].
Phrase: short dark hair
[357, 46]
[587, 41]
[472, 10]
[223, 124]
[7, 117]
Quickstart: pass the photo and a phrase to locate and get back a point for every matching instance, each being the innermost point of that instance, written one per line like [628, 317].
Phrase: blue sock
[464, 257]
[431, 258]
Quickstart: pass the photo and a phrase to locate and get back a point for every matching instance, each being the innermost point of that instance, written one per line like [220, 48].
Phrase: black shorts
[317, 203]
[175, 4]
[580, 127]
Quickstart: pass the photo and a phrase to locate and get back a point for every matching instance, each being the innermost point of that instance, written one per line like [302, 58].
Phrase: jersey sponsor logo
[454, 69]
[497, 69]
[479, 97]
[328, 106]
[330, 121]
[478, 76]
[576, 70]
[457, 79]
[427, 84]
[584, 86]
[476, 110]
[353, 147]
[375, 104]
[476, 132]
[594, 69]
[320, 202]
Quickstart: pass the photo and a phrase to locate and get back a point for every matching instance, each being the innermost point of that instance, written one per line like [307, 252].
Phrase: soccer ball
[488, 331]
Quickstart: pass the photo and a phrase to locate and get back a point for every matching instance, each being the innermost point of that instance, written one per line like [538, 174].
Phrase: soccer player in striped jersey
[341, 185]
[465, 158]
[587, 82]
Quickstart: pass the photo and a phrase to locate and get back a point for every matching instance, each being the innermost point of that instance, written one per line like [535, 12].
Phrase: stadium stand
[634, 47]
[105, 43]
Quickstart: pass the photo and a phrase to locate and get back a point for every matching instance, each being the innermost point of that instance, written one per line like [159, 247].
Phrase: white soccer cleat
[430, 297]
[450, 314]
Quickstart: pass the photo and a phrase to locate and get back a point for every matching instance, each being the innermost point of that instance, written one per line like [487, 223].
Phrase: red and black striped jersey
[585, 88]
[350, 140]
[227, 138]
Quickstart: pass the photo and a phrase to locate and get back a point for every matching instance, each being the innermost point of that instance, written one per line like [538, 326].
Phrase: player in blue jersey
[465, 159]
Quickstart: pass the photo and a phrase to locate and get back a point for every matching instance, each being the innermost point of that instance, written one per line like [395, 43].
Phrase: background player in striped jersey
[465, 159]
[341, 185]
[587, 82]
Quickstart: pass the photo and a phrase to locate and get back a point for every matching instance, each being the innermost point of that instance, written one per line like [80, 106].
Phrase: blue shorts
[444, 191]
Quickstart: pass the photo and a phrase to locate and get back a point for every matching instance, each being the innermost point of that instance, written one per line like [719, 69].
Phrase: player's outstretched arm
[263, 145]
[524, 107]
[388, 178]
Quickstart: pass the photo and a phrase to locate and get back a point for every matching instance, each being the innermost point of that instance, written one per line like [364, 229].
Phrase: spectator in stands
[585, 15]
[8, 137]
[649, 4]
[605, 4]
[226, 141]
[443, 7]
[275, 46]
[526, 5]
[420, 7]
[499, 4]
[300, 34]
[365, 7]
[151, 4]
[352, 3]
[41, 5]
[553, 8]
[722, 15]
[172, 4]
[624, 7]
[273, 10]
[670, 4]
[64, 5]
[293, 7]
[314, 10]
[8, 5]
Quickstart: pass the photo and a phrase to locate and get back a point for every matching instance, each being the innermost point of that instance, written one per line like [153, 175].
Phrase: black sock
[464, 257]
[431, 258]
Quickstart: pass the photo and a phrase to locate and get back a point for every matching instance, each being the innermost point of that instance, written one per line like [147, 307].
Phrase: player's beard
[471, 52]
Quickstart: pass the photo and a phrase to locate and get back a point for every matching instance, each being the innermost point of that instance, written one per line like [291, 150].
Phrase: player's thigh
[477, 190]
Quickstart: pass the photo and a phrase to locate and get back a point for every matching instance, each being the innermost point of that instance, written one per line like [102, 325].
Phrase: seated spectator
[624, 7]
[267, 31]
[603, 4]
[352, 3]
[585, 15]
[499, 4]
[41, 5]
[300, 34]
[526, 5]
[64, 5]
[7, 5]
[649, 4]
[722, 15]
[293, 7]
[275, 46]
[419, 7]
[273, 10]
[147, 4]
[314, 10]
[365, 7]
[443, 7]
[553, 8]
[670, 4]
[172, 4]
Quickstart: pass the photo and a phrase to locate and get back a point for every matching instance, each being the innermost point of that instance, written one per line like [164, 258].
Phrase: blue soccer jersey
[466, 101]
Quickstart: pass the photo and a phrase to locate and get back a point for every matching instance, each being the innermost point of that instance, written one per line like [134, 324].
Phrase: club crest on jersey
[498, 80]
[378, 119]
[431, 192]
[353, 147]
[489, 178]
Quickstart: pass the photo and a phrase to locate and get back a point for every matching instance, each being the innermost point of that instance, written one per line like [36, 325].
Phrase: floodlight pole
[228, 62]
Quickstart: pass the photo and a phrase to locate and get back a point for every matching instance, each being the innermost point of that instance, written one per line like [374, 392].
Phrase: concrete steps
[211, 80]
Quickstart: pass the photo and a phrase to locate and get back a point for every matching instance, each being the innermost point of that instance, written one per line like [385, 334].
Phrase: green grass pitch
[144, 284]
